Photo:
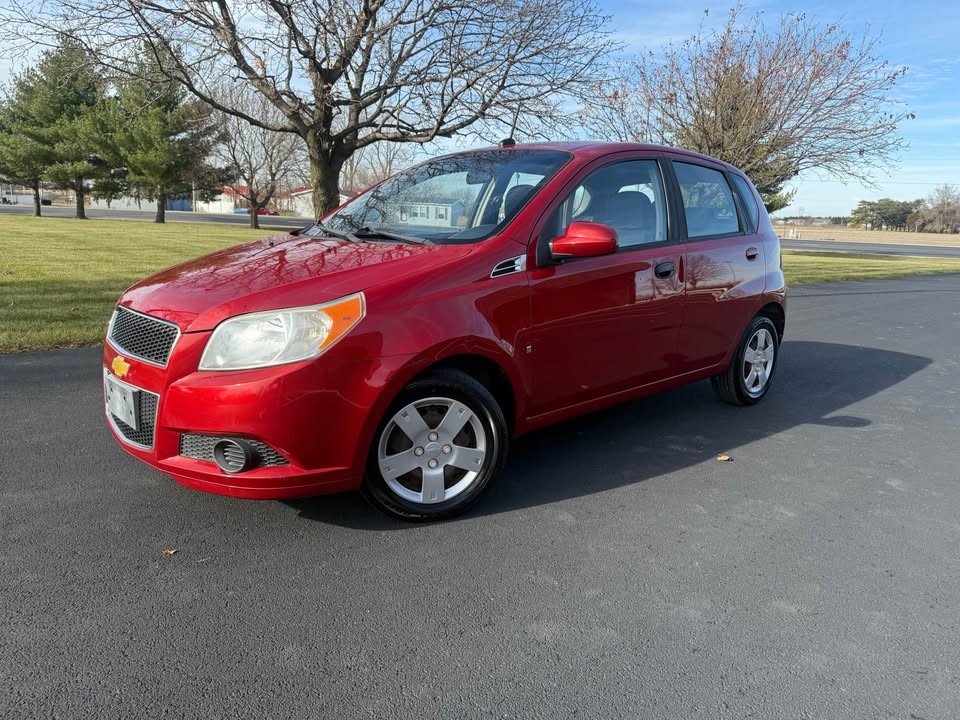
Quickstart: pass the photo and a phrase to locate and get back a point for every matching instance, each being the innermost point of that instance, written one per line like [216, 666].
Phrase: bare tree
[260, 158]
[345, 74]
[942, 211]
[774, 102]
[374, 163]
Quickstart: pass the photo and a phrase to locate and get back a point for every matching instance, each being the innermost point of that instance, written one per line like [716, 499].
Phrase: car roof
[588, 149]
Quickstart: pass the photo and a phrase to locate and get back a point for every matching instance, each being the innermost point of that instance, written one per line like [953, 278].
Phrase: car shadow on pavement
[663, 433]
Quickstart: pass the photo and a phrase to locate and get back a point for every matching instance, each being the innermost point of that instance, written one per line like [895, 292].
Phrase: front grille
[142, 336]
[146, 419]
[200, 447]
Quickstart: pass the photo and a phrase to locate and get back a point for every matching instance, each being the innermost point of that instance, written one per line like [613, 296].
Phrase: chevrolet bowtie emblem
[120, 366]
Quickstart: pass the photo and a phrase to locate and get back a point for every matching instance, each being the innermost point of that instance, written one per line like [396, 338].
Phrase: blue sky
[922, 35]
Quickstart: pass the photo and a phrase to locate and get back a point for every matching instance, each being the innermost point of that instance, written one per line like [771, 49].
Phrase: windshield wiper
[339, 234]
[368, 232]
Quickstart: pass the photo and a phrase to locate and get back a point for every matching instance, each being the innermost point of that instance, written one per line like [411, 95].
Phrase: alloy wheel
[758, 358]
[432, 450]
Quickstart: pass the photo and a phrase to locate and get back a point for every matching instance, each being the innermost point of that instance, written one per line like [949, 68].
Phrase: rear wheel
[751, 371]
[437, 449]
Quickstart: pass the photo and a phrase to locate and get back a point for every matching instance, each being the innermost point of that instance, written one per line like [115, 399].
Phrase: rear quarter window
[707, 201]
[749, 199]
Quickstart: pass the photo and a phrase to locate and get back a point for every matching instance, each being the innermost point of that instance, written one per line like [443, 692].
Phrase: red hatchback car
[400, 344]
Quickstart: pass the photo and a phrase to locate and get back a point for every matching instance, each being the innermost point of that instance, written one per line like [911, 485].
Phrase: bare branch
[800, 97]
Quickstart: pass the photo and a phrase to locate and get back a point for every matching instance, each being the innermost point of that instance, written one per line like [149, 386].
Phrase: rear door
[723, 262]
[602, 325]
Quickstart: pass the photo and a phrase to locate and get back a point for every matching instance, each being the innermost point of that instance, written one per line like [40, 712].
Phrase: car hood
[281, 271]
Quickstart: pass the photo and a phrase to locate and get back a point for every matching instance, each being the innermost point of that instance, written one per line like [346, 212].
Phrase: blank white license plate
[122, 401]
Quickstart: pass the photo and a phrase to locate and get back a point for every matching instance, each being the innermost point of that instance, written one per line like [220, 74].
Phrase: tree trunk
[254, 216]
[161, 208]
[36, 198]
[324, 178]
[81, 201]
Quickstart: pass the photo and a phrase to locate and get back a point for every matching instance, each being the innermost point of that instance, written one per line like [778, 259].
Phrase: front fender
[404, 368]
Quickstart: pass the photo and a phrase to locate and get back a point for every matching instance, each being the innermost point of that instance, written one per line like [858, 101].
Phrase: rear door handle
[664, 269]
[752, 253]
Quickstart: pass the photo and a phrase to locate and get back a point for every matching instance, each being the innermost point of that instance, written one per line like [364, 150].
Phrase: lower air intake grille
[200, 447]
[146, 419]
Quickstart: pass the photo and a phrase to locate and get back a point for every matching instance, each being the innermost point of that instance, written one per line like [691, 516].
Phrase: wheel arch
[775, 312]
[489, 366]
[488, 373]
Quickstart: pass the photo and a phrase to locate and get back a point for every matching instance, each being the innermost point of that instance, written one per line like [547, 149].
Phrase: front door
[606, 324]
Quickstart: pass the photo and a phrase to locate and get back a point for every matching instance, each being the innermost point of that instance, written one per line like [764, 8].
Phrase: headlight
[276, 337]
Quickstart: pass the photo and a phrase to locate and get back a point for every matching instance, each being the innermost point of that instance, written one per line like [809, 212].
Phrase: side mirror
[584, 239]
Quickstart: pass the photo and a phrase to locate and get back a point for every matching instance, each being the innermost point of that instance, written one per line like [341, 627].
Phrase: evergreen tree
[49, 112]
[22, 161]
[159, 136]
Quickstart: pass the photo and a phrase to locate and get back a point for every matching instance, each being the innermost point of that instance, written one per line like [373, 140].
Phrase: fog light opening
[234, 456]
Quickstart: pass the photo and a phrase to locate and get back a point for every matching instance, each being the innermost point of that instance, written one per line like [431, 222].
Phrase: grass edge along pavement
[60, 277]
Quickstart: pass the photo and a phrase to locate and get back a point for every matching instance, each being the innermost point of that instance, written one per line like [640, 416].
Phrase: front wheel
[437, 449]
[750, 373]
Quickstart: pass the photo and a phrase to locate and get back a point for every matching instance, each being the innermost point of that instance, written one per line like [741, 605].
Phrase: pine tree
[159, 136]
[49, 111]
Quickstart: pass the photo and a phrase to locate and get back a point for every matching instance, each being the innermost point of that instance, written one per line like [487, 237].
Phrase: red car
[399, 345]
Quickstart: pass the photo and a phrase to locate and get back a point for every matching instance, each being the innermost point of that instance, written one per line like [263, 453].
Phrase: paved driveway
[617, 570]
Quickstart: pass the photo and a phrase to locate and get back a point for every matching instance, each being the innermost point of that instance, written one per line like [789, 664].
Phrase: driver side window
[627, 196]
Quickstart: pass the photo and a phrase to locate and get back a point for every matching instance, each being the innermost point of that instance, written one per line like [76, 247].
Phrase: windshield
[457, 199]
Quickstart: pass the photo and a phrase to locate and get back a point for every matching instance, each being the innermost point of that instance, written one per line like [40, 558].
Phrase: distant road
[872, 248]
[148, 215]
[268, 221]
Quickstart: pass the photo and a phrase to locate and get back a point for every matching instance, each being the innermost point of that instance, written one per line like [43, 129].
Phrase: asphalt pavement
[617, 570]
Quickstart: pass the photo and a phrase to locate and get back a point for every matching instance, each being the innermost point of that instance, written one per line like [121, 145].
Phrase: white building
[301, 201]
[16, 195]
[443, 213]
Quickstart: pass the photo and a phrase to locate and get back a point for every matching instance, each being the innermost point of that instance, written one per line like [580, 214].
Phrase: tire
[750, 375]
[421, 450]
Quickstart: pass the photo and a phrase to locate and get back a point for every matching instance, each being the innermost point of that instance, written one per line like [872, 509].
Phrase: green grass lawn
[59, 278]
[801, 266]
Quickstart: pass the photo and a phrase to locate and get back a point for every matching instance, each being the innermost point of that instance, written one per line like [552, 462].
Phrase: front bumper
[319, 415]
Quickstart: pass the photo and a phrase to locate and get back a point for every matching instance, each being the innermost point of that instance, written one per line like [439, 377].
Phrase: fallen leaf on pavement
[724, 458]
[169, 552]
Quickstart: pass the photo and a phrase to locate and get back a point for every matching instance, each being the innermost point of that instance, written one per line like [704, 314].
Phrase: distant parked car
[400, 344]
[260, 211]
[46, 201]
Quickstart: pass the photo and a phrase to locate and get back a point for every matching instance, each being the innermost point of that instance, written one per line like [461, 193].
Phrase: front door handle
[664, 269]
[752, 253]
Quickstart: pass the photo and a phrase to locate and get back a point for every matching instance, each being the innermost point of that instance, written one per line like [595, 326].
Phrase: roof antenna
[509, 141]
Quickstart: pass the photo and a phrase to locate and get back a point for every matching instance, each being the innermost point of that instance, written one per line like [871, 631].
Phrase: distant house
[301, 201]
[437, 213]
[440, 213]
[228, 201]
[16, 194]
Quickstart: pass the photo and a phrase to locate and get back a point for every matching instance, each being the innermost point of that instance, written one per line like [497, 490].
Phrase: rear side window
[707, 201]
[627, 196]
[749, 201]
